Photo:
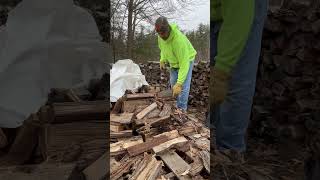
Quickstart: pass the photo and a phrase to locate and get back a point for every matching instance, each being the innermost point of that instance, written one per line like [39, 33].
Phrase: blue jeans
[231, 118]
[182, 99]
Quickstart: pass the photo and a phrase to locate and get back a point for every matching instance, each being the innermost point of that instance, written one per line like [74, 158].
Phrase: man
[236, 41]
[178, 52]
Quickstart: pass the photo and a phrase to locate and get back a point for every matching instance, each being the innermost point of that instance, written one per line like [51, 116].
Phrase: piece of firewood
[124, 118]
[147, 110]
[55, 139]
[187, 130]
[167, 145]
[130, 106]
[203, 143]
[72, 96]
[169, 176]
[80, 111]
[146, 146]
[196, 166]
[170, 134]
[116, 127]
[205, 157]
[148, 169]
[139, 96]
[118, 106]
[121, 134]
[98, 169]
[166, 110]
[177, 165]
[153, 121]
[121, 146]
[124, 166]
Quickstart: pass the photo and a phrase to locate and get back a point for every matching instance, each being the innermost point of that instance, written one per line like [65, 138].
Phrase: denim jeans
[231, 118]
[182, 99]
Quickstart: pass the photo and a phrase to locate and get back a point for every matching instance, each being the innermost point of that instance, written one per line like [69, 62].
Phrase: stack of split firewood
[199, 92]
[151, 140]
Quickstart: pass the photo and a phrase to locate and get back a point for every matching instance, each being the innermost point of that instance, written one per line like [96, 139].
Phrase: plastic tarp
[125, 75]
[46, 44]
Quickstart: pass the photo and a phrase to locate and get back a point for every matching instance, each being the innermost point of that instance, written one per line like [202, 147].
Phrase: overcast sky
[199, 14]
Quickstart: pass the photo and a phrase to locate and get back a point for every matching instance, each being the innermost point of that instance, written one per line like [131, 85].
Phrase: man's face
[163, 32]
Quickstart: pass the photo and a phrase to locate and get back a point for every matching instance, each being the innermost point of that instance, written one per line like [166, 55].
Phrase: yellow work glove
[177, 88]
[219, 81]
[162, 65]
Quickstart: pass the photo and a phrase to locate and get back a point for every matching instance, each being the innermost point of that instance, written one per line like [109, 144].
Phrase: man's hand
[177, 88]
[162, 65]
[219, 86]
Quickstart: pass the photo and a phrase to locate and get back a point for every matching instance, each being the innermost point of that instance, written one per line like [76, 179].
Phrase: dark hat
[162, 24]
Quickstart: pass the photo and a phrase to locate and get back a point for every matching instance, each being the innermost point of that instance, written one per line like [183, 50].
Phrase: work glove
[177, 88]
[162, 65]
[219, 81]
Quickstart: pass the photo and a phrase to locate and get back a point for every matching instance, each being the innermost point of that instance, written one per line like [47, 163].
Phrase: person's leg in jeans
[231, 118]
[214, 32]
[182, 99]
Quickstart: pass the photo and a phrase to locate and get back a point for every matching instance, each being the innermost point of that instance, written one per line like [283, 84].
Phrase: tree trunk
[130, 28]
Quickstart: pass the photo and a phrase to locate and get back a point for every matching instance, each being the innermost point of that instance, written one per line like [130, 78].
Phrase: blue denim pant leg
[182, 99]
[231, 118]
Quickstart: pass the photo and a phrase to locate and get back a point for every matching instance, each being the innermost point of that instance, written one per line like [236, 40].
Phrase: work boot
[3, 139]
[235, 156]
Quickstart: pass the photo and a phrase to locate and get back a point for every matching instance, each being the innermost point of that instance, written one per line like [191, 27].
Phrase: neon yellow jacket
[177, 51]
[236, 19]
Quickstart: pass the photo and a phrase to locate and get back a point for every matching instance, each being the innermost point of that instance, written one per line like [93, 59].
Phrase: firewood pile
[288, 84]
[70, 132]
[199, 92]
[151, 140]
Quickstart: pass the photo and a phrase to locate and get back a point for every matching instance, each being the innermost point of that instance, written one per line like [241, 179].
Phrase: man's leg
[173, 77]
[231, 118]
[182, 100]
[214, 32]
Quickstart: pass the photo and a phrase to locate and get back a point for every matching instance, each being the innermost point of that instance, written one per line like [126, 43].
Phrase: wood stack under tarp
[68, 134]
[149, 140]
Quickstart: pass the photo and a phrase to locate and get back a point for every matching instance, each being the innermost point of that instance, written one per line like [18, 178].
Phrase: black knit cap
[162, 25]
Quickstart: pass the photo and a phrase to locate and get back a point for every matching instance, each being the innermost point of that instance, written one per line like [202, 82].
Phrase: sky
[199, 14]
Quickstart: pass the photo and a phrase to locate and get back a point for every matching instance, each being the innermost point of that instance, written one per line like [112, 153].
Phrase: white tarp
[125, 75]
[46, 44]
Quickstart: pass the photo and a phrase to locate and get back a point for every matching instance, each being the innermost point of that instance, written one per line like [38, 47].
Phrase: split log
[177, 165]
[80, 111]
[139, 96]
[57, 138]
[130, 106]
[147, 110]
[166, 110]
[98, 169]
[123, 167]
[167, 145]
[157, 140]
[124, 118]
[153, 121]
[205, 157]
[121, 134]
[148, 169]
[121, 146]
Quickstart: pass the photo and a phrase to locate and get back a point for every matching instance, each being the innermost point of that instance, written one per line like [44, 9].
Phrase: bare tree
[131, 13]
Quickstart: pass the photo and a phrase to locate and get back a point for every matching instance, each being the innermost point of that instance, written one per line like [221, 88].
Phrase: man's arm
[237, 18]
[181, 53]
